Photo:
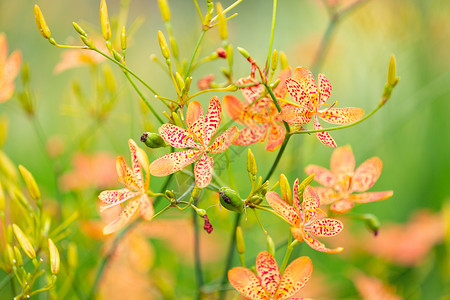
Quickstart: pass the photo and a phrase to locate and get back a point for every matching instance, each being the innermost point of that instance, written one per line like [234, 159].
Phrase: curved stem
[199, 41]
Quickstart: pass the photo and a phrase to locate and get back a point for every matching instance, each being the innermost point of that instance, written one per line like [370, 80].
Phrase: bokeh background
[410, 134]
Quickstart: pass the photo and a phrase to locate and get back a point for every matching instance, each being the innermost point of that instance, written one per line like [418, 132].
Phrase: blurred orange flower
[341, 181]
[74, 58]
[371, 288]
[9, 68]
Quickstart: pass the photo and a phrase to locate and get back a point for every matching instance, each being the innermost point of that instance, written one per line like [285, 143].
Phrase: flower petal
[250, 135]
[246, 283]
[135, 163]
[323, 136]
[295, 195]
[212, 119]
[297, 93]
[366, 175]
[370, 197]
[251, 93]
[177, 137]
[342, 115]
[119, 222]
[326, 227]
[203, 171]
[316, 245]
[146, 210]
[126, 175]
[234, 108]
[223, 141]
[195, 121]
[342, 206]
[173, 162]
[12, 66]
[343, 161]
[275, 136]
[284, 209]
[295, 115]
[116, 196]
[295, 277]
[323, 176]
[326, 195]
[268, 272]
[310, 204]
[324, 89]
[306, 80]
[280, 90]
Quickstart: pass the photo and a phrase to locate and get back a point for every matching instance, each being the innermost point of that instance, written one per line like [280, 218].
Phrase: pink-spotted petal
[284, 209]
[251, 93]
[366, 175]
[119, 222]
[116, 196]
[250, 135]
[223, 141]
[177, 137]
[326, 227]
[212, 119]
[324, 89]
[306, 80]
[126, 175]
[370, 197]
[195, 121]
[322, 175]
[342, 206]
[135, 163]
[295, 115]
[173, 162]
[203, 171]
[234, 108]
[343, 161]
[246, 283]
[323, 136]
[342, 115]
[146, 210]
[295, 195]
[316, 245]
[310, 204]
[326, 195]
[268, 272]
[295, 277]
[297, 93]
[275, 136]
[280, 90]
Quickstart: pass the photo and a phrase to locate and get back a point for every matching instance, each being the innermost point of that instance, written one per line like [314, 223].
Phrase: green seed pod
[152, 140]
[372, 223]
[231, 200]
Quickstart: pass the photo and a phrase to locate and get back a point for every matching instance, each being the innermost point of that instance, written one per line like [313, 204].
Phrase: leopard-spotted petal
[195, 121]
[268, 272]
[295, 277]
[177, 137]
[310, 204]
[251, 93]
[114, 197]
[135, 163]
[341, 116]
[250, 135]
[234, 108]
[295, 115]
[119, 222]
[246, 283]
[281, 89]
[173, 162]
[326, 195]
[306, 80]
[342, 206]
[223, 141]
[126, 175]
[316, 245]
[326, 227]
[370, 196]
[342, 161]
[284, 209]
[203, 171]
[295, 195]
[146, 210]
[212, 119]
[323, 136]
[366, 175]
[275, 136]
[324, 89]
[12, 66]
[322, 175]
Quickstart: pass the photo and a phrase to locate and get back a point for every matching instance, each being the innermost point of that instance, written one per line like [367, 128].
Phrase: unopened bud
[270, 245]
[210, 11]
[79, 29]
[54, 257]
[221, 53]
[104, 20]
[165, 10]
[222, 22]
[229, 49]
[31, 184]
[163, 45]
[7, 167]
[231, 200]
[180, 80]
[274, 63]
[392, 75]
[110, 82]
[170, 194]
[72, 255]
[240, 244]
[18, 256]
[10, 255]
[187, 84]
[173, 46]
[152, 140]
[116, 55]
[24, 242]
[286, 193]
[301, 187]
[244, 52]
[87, 41]
[255, 199]
[123, 39]
[251, 163]
[176, 119]
[283, 60]
[372, 223]
[40, 22]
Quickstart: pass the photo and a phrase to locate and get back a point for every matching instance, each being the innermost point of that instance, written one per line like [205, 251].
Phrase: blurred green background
[410, 133]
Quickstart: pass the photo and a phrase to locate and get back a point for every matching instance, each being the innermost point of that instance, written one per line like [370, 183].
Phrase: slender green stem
[271, 211]
[164, 187]
[161, 211]
[289, 250]
[198, 266]
[277, 159]
[272, 31]
[199, 41]
[225, 89]
[227, 9]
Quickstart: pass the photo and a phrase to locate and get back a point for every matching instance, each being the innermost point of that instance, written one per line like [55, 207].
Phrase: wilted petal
[326, 195]
[251, 93]
[366, 175]
[223, 141]
[126, 175]
[322, 175]
[280, 90]
[146, 210]
[342, 206]
[195, 121]
[173, 162]
[323, 136]
[306, 80]
[268, 272]
[135, 163]
[250, 135]
[342, 115]
[177, 137]
[295, 115]
[326, 227]
[212, 119]
[284, 209]
[370, 197]
[324, 89]
[234, 107]
[310, 204]
[275, 136]
[203, 171]
[295, 277]
[316, 245]
[246, 283]
[342, 161]
[119, 222]
[116, 196]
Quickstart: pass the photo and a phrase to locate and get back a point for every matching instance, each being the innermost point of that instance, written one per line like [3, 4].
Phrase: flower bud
[163, 45]
[187, 84]
[221, 53]
[231, 200]
[31, 184]
[7, 167]
[209, 12]
[180, 80]
[54, 257]
[301, 187]
[251, 163]
[2, 198]
[72, 255]
[123, 39]
[11, 258]
[109, 79]
[170, 194]
[24, 242]
[283, 60]
[274, 63]
[79, 29]
[286, 193]
[392, 76]
[270, 245]
[372, 223]
[87, 41]
[116, 55]
[176, 119]
[165, 10]
[240, 244]
[152, 140]
[244, 52]
[229, 49]
[104, 20]
[40, 22]
[18, 256]
[222, 22]
[173, 46]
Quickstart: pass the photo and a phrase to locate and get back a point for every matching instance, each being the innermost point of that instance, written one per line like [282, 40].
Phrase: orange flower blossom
[197, 137]
[342, 180]
[268, 283]
[135, 190]
[304, 219]
[9, 68]
[309, 99]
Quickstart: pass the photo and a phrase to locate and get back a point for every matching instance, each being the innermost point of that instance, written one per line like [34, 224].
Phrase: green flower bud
[173, 46]
[31, 184]
[11, 258]
[187, 84]
[40, 22]
[18, 256]
[244, 52]
[231, 200]
[72, 255]
[240, 244]
[24, 242]
[372, 223]
[283, 60]
[274, 63]
[165, 10]
[123, 39]
[251, 163]
[286, 193]
[54, 257]
[222, 23]
[152, 140]
[392, 75]
[104, 21]
[270, 245]
[79, 29]
[2, 198]
[180, 80]
[229, 49]
[163, 45]
[303, 184]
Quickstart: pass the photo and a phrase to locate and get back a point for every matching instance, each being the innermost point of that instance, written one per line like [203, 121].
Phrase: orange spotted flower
[9, 68]
[260, 117]
[268, 283]
[309, 99]
[342, 181]
[304, 219]
[197, 137]
[135, 190]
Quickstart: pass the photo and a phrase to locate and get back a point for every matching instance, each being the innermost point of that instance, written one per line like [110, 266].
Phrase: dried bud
[270, 245]
[24, 242]
[40, 22]
[208, 226]
[274, 63]
[205, 82]
[222, 22]
[165, 10]
[251, 163]
[231, 200]
[221, 53]
[123, 39]
[18, 256]
[54, 257]
[31, 184]
[163, 45]
[104, 21]
[152, 140]
[286, 193]
[283, 60]
[79, 29]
